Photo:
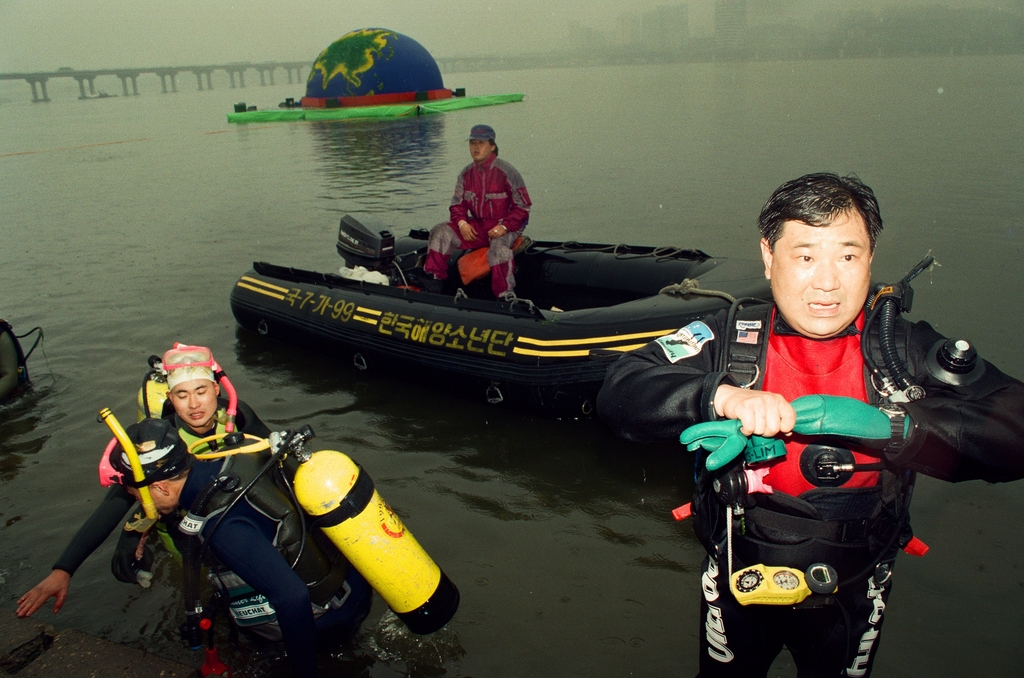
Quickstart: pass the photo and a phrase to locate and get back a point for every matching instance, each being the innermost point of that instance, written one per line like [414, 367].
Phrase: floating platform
[386, 111]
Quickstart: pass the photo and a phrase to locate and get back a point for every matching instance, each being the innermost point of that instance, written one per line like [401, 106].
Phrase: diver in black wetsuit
[280, 582]
[13, 371]
[197, 411]
[811, 496]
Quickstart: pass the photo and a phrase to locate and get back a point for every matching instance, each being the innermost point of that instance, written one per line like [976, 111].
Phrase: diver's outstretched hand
[54, 586]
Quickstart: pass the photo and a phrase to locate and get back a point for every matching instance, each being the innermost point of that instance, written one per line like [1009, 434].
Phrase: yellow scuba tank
[149, 402]
[341, 498]
[152, 395]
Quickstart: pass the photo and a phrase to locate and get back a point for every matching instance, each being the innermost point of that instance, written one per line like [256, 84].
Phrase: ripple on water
[391, 642]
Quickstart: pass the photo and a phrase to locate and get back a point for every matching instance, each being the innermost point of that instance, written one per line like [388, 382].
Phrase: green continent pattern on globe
[352, 55]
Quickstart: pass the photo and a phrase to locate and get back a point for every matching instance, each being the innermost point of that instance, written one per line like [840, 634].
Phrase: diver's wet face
[820, 275]
[195, 402]
[481, 149]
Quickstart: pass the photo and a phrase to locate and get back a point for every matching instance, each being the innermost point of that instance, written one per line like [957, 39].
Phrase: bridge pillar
[166, 76]
[92, 86]
[42, 87]
[81, 88]
[125, 77]
[199, 79]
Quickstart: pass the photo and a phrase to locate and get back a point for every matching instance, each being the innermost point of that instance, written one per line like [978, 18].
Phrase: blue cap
[485, 132]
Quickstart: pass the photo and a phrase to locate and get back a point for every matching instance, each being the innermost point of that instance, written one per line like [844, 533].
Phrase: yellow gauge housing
[766, 585]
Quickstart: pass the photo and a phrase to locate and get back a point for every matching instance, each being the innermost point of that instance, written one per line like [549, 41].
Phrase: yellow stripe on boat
[279, 297]
[574, 354]
[594, 340]
[262, 283]
[368, 321]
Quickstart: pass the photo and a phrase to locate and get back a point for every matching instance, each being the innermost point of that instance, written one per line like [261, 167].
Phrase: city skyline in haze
[46, 35]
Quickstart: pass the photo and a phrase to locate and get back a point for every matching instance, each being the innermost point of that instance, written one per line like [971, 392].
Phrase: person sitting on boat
[279, 580]
[831, 480]
[13, 368]
[197, 411]
[490, 208]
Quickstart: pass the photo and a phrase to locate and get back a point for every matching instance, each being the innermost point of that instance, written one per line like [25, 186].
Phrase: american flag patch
[745, 337]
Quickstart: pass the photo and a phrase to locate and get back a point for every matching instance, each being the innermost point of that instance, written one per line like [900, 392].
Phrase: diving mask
[185, 363]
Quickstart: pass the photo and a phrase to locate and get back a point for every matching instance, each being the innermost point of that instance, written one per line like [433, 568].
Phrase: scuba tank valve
[153, 394]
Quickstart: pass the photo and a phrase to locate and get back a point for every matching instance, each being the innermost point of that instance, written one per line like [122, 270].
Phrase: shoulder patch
[748, 324]
[686, 342]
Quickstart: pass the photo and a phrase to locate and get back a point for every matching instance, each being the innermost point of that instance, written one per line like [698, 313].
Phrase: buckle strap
[839, 531]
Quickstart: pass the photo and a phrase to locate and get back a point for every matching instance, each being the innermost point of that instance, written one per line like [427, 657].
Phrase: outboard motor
[365, 240]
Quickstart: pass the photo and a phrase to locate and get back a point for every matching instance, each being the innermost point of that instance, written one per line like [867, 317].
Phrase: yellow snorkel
[133, 457]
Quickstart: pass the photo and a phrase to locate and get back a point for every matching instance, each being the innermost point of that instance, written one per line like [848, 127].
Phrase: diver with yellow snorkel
[279, 582]
[193, 387]
[278, 528]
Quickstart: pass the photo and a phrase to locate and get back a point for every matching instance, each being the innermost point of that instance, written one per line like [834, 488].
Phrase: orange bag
[473, 265]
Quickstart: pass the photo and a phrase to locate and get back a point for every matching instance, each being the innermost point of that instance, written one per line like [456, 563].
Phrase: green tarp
[393, 111]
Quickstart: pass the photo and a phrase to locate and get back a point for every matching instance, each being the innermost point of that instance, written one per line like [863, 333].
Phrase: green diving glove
[823, 415]
[725, 442]
[721, 438]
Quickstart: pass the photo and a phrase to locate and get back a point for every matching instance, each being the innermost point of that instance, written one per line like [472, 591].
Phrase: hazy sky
[44, 34]
[47, 34]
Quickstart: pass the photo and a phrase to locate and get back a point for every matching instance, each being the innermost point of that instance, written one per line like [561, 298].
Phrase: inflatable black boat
[578, 307]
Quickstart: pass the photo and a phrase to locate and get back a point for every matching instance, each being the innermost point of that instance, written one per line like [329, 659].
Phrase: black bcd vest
[844, 527]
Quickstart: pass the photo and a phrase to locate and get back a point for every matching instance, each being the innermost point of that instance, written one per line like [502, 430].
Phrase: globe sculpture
[373, 66]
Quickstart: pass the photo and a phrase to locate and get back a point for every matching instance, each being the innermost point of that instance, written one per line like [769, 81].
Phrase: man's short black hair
[816, 200]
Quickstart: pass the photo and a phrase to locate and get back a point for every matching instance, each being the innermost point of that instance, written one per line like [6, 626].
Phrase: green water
[124, 223]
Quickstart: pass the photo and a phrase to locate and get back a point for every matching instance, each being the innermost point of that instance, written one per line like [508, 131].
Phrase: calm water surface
[125, 221]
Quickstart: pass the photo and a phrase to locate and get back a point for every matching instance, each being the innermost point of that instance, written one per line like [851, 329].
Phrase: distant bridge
[168, 76]
[236, 72]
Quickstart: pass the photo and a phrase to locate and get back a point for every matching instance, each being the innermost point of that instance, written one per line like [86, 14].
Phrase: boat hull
[515, 352]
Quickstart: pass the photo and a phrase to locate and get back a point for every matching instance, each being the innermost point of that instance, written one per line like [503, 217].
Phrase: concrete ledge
[32, 649]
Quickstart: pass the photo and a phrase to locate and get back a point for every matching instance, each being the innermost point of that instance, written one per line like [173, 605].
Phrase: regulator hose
[887, 303]
[192, 554]
[894, 365]
[289, 440]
